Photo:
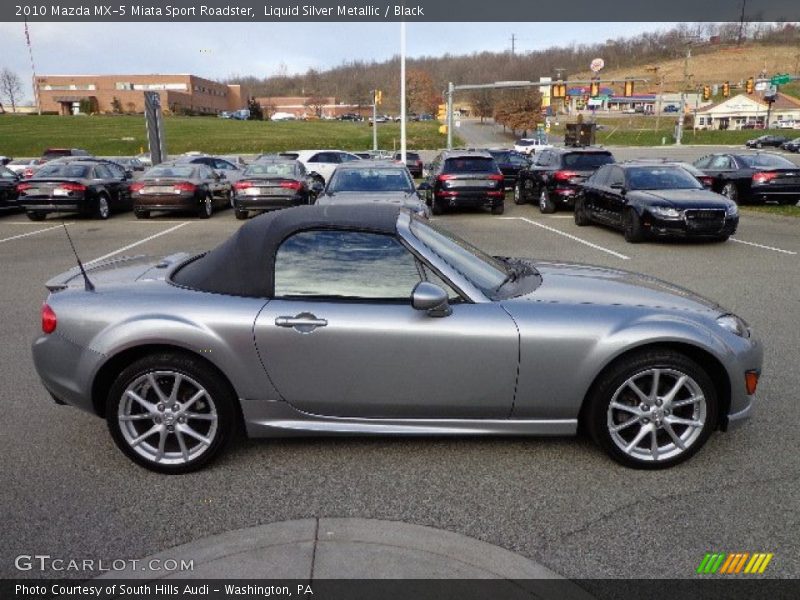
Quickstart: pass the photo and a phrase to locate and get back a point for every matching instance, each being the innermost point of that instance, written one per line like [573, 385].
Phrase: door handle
[303, 323]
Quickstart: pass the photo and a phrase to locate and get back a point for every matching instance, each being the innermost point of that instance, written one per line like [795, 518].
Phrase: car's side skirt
[278, 419]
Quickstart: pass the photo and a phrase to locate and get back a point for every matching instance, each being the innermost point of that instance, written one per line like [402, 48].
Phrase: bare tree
[317, 104]
[268, 108]
[10, 87]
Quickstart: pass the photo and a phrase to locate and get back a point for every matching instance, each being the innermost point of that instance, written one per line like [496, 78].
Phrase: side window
[300, 169]
[543, 159]
[117, 171]
[616, 177]
[433, 277]
[223, 165]
[204, 172]
[345, 265]
[600, 178]
[102, 172]
[344, 157]
[720, 162]
[703, 162]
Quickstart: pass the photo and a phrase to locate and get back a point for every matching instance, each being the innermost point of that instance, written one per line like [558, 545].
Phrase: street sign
[597, 64]
[780, 79]
[771, 90]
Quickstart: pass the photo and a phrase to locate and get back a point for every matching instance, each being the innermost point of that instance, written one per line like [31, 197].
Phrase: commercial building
[747, 110]
[304, 107]
[180, 94]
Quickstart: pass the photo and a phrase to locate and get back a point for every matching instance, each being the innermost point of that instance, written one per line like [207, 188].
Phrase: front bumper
[680, 228]
[747, 355]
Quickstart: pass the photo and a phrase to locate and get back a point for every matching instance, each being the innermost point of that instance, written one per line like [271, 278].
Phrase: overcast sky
[216, 50]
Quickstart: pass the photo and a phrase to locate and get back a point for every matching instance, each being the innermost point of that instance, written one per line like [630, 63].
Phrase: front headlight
[666, 212]
[732, 211]
[734, 324]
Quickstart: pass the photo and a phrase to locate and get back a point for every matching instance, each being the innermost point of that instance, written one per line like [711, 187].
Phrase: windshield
[6, 174]
[661, 178]
[371, 180]
[766, 160]
[501, 157]
[72, 171]
[484, 272]
[524, 142]
[275, 169]
[587, 160]
[156, 172]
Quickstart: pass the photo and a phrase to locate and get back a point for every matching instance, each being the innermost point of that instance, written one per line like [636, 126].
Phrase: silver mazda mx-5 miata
[366, 320]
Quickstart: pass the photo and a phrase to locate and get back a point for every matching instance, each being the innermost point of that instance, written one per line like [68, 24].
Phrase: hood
[126, 269]
[405, 199]
[683, 198]
[572, 283]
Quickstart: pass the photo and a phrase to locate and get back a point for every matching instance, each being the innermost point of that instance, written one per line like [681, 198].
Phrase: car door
[118, 185]
[340, 337]
[592, 190]
[614, 196]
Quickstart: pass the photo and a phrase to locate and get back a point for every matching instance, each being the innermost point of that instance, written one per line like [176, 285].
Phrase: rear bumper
[166, 202]
[267, 202]
[66, 370]
[455, 199]
[49, 205]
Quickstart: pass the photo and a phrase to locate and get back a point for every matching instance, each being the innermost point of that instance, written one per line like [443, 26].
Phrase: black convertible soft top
[244, 264]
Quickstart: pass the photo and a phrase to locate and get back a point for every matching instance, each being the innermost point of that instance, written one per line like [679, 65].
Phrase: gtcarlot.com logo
[734, 563]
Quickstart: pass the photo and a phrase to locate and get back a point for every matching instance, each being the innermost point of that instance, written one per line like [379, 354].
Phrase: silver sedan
[352, 320]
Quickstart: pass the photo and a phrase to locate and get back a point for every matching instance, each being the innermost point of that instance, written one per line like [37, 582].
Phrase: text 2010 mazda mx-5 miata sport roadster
[365, 320]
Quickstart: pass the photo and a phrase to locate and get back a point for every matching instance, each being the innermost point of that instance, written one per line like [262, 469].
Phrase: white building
[737, 111]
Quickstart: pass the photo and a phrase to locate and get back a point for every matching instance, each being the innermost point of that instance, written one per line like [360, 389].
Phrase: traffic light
[726, 89]
[558, 90]
[628, 88]
[377, 96]
[706, 92]
[750, 85]
[594, 89]
[441, 112]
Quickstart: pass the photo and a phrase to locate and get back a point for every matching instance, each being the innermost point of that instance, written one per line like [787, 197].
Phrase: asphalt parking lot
[68, 491]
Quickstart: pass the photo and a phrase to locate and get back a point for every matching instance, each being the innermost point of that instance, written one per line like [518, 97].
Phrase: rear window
[525, 142]
[501, 156]
[409, 156]
[587, 160]
[292, 155]
[56, 153]
[170, 172]
[470, 164]
[71, 171]
[371, 180]
[270, 170]
[766, 160]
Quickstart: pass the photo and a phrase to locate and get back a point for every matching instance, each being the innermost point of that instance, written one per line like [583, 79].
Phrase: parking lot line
[763, 246]
[23, 235]
[570, 236]
[133, 245]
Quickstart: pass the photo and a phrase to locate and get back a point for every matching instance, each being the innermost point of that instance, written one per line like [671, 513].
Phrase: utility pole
[403, 91]
[513, 44]
[740, 37]
[682, 114]
[374, 119]
[450, 115]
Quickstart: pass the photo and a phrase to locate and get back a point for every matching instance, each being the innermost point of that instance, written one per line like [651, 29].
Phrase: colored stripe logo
[734, 563]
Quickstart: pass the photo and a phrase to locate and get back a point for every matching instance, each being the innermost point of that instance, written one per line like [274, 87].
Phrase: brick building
[63, 94]
[301, 106]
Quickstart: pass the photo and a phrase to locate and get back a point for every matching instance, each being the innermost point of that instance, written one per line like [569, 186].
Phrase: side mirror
[618, 186]
[315, 185]
[431, 298]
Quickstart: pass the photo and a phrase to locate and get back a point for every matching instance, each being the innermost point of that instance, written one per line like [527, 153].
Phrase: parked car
[766, 140]
[350, 117]
[413, 163]
[231, 171]
[320, 163]
[792, 145]
[373, 182]
[8, 189]
[753, 125]
[145, 159]
[129, 163]
[89, 187]
[180, 187]
[25, 167]
[531, 145]
[464, 179]
[352, 290]
[273, 184]
[556, 176]
[753, 177]
[4, 160]
[52, 153]
[655, 200]
[510, 163]
[787, 124]
[671, 108]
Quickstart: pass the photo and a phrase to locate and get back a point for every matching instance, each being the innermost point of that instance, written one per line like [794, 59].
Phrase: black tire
[206, 208]
[581, 218]
[633, 230]
[436, 207]
[787, 201]
[241, 214]
[546, 205]
[519, 195]
[721, 238]
[598, 417]
[218, 401]
[36, 215]
[499, 209]
[141, 214]
[102, 209]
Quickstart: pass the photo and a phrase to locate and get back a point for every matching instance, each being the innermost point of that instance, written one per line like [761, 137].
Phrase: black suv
[464, 178]
[510, 163]
[767, 140]
[556, 176]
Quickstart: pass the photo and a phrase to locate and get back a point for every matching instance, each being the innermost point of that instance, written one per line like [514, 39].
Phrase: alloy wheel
[103, 210]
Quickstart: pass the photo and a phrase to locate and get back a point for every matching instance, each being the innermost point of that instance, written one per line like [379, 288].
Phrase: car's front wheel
[581, 216]
[652, 410]
[519, 196]
[206, 208]
[170, 413]
[546, 204]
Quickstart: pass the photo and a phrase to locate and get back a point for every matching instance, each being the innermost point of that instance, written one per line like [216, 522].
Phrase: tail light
[21, 187]
[764, 177]
[27, 173]
[564, 175]
[73, 187]
[496, 177]
[184, 186]
[49, 320]
[136, 187]
[291, 185]
[443, 178]
[242, 185]
[706, 181]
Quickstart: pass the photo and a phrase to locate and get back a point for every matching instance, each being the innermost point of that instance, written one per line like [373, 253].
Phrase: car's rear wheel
[546, 205]
[634, 232]
[581, 217]
[652, 410]
[241, 214]
[206, 208]
[730, 191]
[36, 215]
[141, 214]
[170, 413]
[519, 197]
[102, 209]
[499, 209]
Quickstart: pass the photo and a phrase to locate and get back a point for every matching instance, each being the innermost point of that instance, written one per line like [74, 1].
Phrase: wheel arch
[705, 359]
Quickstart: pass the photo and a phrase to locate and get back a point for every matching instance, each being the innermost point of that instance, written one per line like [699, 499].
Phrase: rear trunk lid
[115, 271]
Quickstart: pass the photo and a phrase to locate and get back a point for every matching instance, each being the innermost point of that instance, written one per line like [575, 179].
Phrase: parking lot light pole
[403, 91]
[374, 121]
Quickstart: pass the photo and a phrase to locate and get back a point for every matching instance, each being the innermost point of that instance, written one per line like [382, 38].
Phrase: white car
[320, 162]
[531, 145]
[787, 124]
[25, 166]
[283, 116]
